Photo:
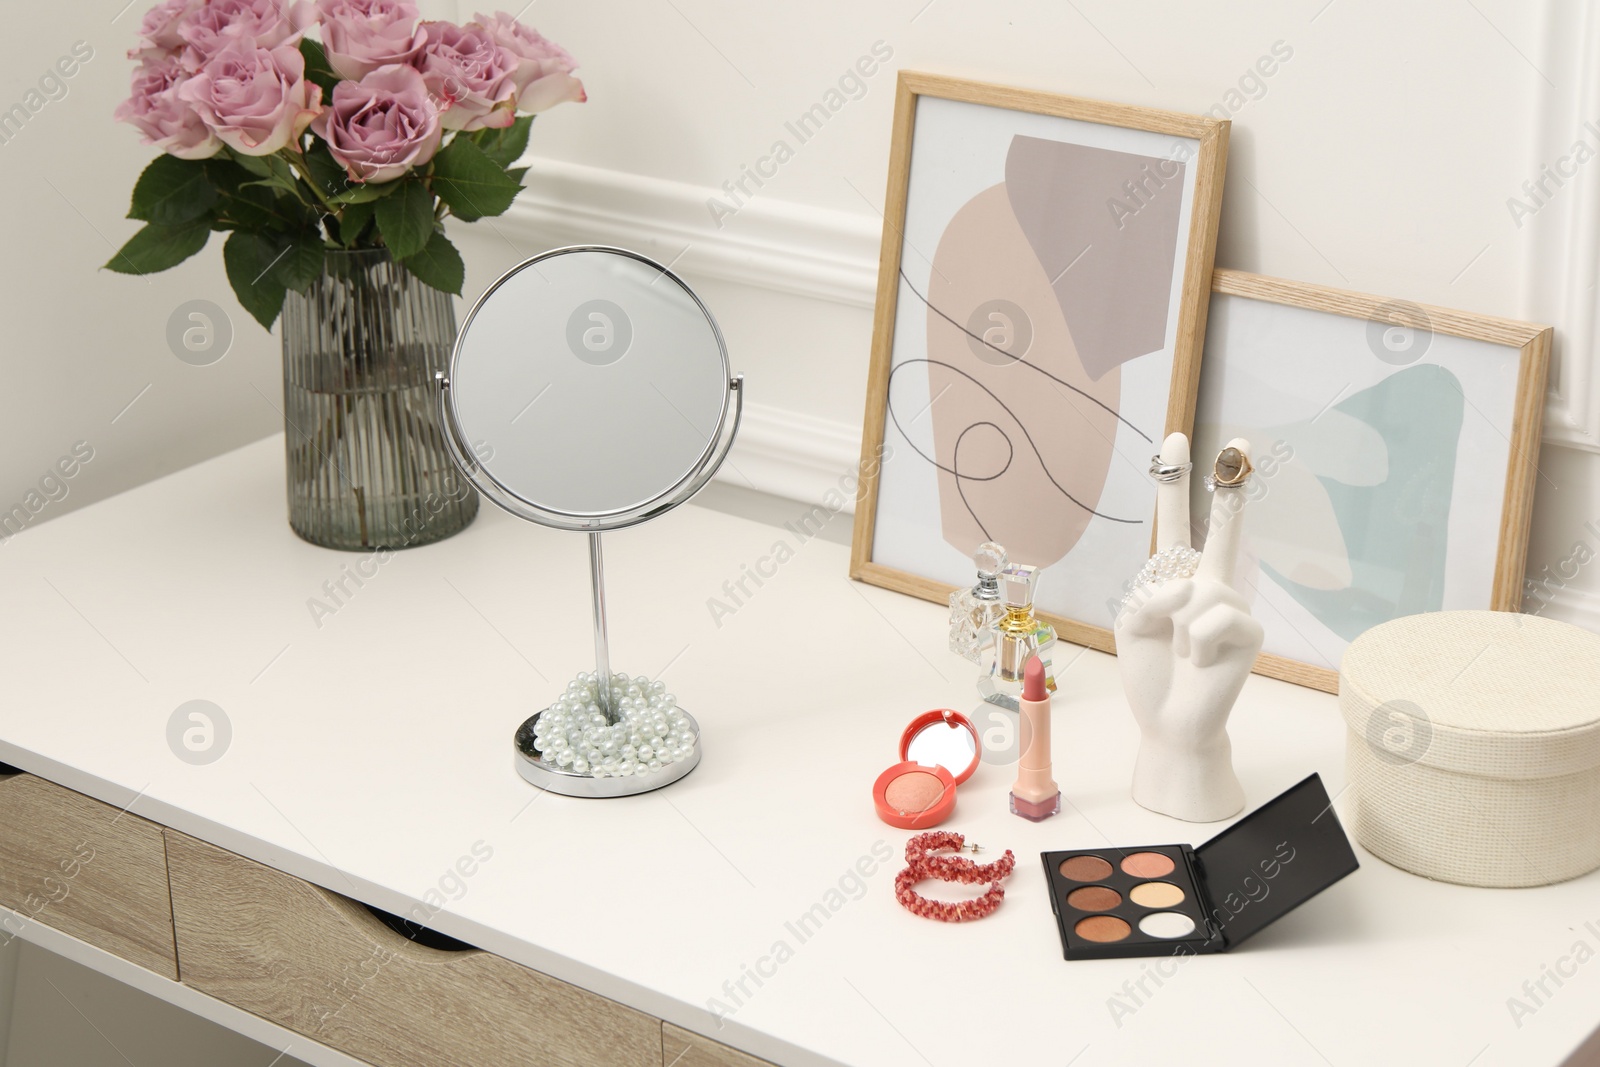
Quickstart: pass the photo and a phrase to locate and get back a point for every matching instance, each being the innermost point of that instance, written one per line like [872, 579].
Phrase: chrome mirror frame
[546, 774]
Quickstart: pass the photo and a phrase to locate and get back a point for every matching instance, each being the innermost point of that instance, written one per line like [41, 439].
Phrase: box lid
[1491, 693]
[1273, 860]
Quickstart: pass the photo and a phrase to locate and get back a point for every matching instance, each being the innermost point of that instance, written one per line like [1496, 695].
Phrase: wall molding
[1577, 606]
[793, 455]
[1561, 264]
[769, 243]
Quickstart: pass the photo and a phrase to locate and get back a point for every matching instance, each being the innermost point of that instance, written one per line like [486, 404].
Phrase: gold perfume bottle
[1017, 635]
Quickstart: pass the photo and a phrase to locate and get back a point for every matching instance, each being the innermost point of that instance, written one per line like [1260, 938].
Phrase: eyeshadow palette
[1174, 899]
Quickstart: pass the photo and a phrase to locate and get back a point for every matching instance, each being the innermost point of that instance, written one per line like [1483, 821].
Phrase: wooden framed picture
[1395, 448]
[1042, 298]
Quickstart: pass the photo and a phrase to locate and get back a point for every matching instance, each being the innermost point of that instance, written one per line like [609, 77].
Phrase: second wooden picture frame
[1042, 297]
[1396, 450]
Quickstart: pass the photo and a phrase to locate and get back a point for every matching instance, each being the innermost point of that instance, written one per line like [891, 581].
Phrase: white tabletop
[373, 751]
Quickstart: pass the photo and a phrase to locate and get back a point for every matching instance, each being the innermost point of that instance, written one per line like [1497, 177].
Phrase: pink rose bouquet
[296, 126]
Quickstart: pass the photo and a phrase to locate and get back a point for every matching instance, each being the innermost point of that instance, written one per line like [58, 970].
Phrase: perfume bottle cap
[1017, 583]
[991, 560]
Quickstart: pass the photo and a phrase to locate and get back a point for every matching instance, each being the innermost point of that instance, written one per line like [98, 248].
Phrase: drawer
[684, 1048]
[324, 966]
[86, 869]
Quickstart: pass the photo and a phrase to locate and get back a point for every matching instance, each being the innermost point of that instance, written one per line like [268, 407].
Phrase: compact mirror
[590, 390]
[943, 744]
[942, 738]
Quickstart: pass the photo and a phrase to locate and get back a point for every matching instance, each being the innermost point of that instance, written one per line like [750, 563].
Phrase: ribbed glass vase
[367, 463]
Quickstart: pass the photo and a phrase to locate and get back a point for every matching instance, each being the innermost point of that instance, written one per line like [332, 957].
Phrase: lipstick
[1034, 795]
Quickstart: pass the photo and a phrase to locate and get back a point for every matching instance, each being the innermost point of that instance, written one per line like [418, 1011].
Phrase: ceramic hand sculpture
[1186, 643]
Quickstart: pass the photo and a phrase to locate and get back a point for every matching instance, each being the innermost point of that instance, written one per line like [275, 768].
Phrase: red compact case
[938, 751]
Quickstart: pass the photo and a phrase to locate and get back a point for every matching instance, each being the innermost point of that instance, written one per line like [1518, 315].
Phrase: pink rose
[166, 121]
[544, 69]
[162, 28]
[362, 35]
[261, 23]
[382, 126]
[257, 100]
[472, 79]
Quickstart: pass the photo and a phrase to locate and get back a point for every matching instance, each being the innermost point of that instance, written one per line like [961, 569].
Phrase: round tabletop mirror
[590, 390]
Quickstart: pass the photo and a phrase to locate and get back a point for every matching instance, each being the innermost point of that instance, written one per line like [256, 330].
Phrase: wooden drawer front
[322, 965]
[684, 1048]
[87, 870]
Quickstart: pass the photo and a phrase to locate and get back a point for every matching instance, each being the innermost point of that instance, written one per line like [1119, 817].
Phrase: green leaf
[406, 219]
[353, 221]
[258, 209]
[244, 204]
[318, 71]
[516, 173]
[256, 165]
[326, 172]
[157, 248]
[250, 259]
[366, 192]
[172, 191]
[470, 182]
[301, 264]
[338, 186]
[281, 176]
[505, 146]
[438, 265]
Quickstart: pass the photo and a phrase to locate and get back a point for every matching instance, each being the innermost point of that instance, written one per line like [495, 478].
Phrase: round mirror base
[549, 776]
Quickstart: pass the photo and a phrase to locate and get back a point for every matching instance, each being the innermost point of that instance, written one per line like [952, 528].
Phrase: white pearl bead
[650, 732]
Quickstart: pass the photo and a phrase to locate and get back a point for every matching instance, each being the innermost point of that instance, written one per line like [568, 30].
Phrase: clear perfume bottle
[1017, 635]
[973, 612]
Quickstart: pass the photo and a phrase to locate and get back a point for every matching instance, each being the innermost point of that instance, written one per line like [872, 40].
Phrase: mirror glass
[945, 745]
[589, 381]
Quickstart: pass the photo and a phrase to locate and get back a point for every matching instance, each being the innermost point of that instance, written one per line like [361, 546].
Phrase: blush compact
[1166, 900]
[938, 751]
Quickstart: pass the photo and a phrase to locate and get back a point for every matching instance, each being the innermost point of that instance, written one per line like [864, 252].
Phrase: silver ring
[1167, 473]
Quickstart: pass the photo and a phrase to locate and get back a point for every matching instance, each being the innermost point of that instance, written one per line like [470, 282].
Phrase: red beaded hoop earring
[922, 865]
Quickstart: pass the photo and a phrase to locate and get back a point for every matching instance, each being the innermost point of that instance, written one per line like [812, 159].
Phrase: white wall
[1379, 157]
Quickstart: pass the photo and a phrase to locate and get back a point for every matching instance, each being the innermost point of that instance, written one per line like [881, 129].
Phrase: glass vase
[367, 466]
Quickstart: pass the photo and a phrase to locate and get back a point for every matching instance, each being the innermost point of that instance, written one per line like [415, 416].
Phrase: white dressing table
[370, 761]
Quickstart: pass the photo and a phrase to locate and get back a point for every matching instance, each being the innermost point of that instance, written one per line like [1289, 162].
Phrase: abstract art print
[1394, 447]
[1041, 302]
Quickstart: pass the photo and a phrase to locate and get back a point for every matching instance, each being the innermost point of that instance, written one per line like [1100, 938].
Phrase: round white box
[1473, 751]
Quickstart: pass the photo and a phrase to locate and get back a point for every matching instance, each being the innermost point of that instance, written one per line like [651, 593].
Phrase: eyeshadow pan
[1156, 895]
[1085, 868]
[914, 792]
[1094, 898]
[1166, 924]
[1102, 928]
[1147, 865]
